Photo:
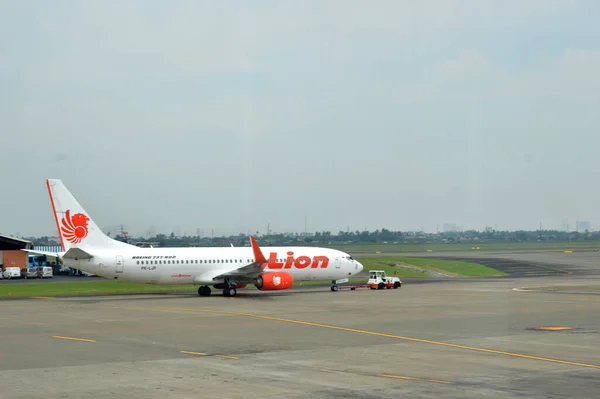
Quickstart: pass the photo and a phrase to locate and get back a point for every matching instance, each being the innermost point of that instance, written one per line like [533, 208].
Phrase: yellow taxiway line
[194, 353]
[373, 333]
[206, 354]
[404, 377]
[74, 339]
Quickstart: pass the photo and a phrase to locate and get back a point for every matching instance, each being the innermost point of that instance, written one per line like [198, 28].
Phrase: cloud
[107, 41]
[476, 106]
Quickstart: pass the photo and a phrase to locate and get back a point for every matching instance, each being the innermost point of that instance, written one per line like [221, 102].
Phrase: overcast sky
[229, 115]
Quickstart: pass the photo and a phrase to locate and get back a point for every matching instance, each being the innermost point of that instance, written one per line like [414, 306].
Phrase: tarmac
[535, 337]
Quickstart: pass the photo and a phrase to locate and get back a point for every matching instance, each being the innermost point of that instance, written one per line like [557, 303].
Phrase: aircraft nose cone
[359, 268]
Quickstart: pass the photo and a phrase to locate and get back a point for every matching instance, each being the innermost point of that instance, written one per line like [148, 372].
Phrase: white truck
[378, 280]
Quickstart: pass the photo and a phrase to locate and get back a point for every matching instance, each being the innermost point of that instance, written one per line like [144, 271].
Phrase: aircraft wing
[248, 271]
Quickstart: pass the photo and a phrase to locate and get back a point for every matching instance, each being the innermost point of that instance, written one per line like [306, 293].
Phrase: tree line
[378, 236]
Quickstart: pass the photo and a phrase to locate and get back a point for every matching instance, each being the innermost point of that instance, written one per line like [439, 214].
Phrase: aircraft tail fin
[76, 228]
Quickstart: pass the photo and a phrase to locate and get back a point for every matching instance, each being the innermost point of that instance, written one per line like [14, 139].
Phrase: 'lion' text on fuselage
[300, 262]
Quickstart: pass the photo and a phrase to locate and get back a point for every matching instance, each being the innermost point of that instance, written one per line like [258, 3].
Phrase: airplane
[85, 247]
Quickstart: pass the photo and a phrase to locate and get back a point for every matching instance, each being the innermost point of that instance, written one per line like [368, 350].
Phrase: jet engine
[274, 281]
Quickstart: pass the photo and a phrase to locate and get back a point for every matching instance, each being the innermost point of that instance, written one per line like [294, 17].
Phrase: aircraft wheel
[204, 290]
[334, 288]
[229, 292]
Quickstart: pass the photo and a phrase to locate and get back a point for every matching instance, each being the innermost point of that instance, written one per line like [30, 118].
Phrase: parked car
[33, 272]
[46, 272]
[12, 272]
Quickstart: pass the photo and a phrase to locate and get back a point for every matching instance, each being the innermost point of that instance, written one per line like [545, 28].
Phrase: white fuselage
[199, 265]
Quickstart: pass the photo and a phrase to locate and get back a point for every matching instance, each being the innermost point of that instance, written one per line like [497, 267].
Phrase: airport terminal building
[12, 254]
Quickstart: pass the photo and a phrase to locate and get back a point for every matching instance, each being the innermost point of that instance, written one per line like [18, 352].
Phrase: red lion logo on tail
[74, 228]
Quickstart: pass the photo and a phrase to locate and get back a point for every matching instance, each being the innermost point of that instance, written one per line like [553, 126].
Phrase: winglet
[257, 252]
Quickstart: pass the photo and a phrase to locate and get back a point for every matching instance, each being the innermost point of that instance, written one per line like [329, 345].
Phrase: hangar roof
[8, 243]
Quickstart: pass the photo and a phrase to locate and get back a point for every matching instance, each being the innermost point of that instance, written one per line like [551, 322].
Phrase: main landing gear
[229, 290]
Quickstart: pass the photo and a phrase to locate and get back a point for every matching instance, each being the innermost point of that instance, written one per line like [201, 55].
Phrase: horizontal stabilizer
[46, 253]
[76, 253]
